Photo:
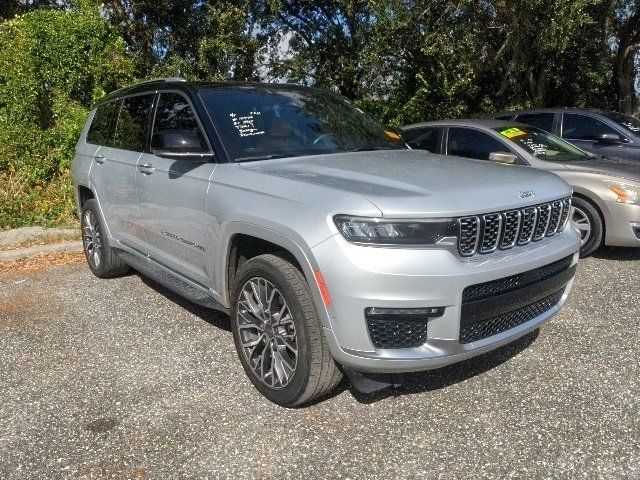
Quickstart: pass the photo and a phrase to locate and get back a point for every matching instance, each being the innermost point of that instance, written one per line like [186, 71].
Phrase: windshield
[625, 120]
[262, 122]
[541, 144]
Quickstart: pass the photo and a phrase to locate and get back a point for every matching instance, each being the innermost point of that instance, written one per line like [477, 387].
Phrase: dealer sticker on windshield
[512, 132]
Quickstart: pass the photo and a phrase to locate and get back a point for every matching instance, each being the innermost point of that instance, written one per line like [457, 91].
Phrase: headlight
[394, 232]
[626, 193]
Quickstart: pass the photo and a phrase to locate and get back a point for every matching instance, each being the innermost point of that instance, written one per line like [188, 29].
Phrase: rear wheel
[278, 335]
[102, 259]
[586, 218]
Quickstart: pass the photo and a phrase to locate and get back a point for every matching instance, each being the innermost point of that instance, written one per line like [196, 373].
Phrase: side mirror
[180, 145]
[609, 139]
[502, 157]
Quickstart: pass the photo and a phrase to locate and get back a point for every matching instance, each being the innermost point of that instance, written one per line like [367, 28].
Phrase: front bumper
[359, 277]
[622, 224]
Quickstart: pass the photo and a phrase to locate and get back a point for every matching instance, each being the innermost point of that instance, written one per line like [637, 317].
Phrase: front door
[583, 131]
[172, 194]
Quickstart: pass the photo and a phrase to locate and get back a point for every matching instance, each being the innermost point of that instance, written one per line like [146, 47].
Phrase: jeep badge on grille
[527, 194]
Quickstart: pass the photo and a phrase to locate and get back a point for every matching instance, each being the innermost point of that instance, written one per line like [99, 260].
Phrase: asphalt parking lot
[122, 379]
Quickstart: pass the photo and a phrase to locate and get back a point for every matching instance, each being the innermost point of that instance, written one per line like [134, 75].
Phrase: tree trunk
[625, 77]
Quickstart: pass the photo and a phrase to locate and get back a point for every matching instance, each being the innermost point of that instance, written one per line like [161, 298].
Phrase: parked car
[601, 132]
[606, 192]
[327, 239]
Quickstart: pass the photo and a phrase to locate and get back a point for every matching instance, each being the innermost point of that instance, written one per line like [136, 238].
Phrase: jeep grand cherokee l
[333, 246]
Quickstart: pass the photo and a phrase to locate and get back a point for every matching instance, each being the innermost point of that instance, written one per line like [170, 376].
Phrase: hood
[416, 183]
[616, 167]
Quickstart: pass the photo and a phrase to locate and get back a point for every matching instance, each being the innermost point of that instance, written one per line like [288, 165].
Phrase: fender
[304, 258]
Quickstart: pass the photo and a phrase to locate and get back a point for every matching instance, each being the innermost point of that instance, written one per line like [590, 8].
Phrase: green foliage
[53, 66]
[402, 60]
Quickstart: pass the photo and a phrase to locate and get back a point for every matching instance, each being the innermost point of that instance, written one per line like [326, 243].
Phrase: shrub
[53, 66]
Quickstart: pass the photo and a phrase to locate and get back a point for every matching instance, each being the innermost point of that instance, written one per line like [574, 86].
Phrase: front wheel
[586, 218]
[278, 335]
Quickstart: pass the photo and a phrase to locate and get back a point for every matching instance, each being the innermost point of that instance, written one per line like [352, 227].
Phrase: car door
[427, 138]
[172, 192]
[113, 173]
[473, 143]
[583, 131]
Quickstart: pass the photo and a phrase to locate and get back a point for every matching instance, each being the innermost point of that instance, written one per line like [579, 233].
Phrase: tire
[289, 323]
[101, 258]
[587, 219]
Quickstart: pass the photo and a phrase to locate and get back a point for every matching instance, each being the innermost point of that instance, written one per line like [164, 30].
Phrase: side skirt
[169, 278]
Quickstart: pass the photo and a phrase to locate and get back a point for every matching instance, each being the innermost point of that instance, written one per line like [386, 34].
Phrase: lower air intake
[493, 326]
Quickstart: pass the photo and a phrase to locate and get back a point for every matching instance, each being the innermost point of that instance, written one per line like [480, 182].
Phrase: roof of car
[546, 109]
[465, 122]
[182, 84]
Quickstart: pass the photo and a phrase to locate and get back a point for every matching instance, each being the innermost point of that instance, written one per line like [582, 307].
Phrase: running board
[170, 279]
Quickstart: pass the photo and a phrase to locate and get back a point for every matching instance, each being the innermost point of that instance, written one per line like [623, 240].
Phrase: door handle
[100, 159]
[146, 168]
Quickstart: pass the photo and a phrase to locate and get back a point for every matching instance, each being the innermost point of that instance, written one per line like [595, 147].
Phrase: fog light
[399, 327]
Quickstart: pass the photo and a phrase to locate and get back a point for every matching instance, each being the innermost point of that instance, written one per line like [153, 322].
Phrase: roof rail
[144, 82]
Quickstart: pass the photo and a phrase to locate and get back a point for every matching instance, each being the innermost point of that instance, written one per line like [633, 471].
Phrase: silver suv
[334, 247]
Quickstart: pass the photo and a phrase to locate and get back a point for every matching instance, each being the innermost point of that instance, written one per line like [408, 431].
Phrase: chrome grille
[468, 240]
[529, 217]
[511, 227]
[492, 226]
[566, 208]
[502, 230]
[544, 215]
[554, 219]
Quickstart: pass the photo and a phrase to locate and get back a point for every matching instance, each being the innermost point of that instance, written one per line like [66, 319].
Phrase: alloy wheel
[91, 238]
[581, 221]
[267, 333]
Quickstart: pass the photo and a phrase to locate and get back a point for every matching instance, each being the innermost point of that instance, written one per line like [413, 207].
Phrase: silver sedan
[606, 191]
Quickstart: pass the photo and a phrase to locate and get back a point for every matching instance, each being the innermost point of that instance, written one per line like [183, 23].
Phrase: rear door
[112, 173]
[114, 170]
[172, 193]
[583, 131]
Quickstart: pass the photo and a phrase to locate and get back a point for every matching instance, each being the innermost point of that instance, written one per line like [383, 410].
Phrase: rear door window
[132, 123]
[583, 127]
[470, 143]
[103, 124]
[544, 121]
[424, 138]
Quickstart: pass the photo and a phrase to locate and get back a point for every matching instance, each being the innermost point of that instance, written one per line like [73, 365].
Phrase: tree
[53, 66]
[192, 38]
[624, 23]
[317, 42]
[10, 8]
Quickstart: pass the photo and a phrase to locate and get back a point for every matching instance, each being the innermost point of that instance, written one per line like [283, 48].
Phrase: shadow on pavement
[618, 253]
[420, 382]
[412, 383]
[213, 317]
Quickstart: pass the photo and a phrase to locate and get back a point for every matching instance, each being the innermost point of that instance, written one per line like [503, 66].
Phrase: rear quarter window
[543, 121]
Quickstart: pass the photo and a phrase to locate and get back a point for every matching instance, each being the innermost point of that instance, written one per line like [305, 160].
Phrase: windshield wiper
[371, 148]
[262, 157]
